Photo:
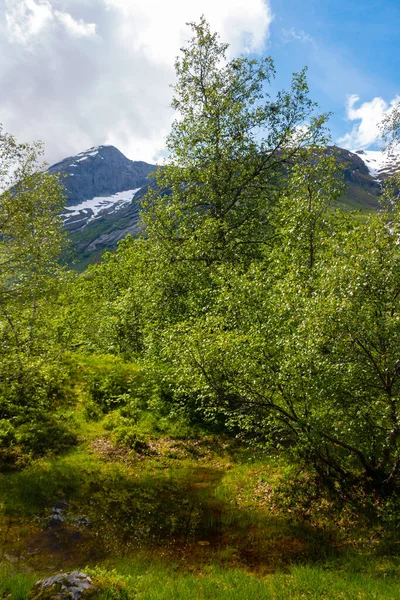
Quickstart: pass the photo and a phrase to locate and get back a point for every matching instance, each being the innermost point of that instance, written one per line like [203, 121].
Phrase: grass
[188, 514]
[154, 580]
[176, 528]
[194, 506]
[300, 582]
[15, 584]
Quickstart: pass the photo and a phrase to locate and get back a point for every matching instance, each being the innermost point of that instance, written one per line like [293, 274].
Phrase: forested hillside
[213, 409]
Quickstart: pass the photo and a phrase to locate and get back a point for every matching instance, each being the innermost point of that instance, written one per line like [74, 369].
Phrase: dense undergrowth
[171, 508]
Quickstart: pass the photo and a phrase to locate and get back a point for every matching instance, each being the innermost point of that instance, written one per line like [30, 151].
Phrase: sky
[80, 73]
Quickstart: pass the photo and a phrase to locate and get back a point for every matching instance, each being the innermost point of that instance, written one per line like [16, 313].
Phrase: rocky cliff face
[100, 171]
[102, 186]
[104, 190]
[362, 187]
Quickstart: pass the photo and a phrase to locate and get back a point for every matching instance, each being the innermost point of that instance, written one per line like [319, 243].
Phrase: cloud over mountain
[369, 115]
[75, 73]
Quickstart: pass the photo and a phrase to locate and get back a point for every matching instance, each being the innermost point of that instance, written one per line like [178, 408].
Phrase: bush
[7, 434]
[128, 436]
[110, 585]
[10, 457]
[31, 387]
[91, 411]
[43, 435]
[108, 380]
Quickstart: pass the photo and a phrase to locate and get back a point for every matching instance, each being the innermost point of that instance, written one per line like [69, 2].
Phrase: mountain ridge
[104, 189]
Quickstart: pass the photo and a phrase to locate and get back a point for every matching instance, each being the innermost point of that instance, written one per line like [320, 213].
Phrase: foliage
[110, 585]
[263, 308]
[31, 239]
[31, 409]
[127, 435]
[227, 154]
[390, 127]
[14, 584]
[45, 434]
[250, 305]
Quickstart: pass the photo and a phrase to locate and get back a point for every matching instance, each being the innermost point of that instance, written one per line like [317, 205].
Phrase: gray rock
[57, 516]
[81, 521]
[66, 586]
[100, 171]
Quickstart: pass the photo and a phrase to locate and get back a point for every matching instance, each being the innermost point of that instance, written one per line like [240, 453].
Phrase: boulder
[65, 586]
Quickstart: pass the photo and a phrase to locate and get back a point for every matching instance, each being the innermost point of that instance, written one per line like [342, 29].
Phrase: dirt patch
[106, 449]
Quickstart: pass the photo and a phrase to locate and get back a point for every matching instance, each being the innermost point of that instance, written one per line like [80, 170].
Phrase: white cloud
[26, 19]
[158, 28]
[298, 35]
[78, 73]
[75, 28]
[369, 115]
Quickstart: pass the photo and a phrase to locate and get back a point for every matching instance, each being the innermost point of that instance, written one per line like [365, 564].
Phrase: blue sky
[350, 47]
[79, 73]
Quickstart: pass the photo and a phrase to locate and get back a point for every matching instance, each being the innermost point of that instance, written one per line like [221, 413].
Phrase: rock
[100, 171]
[57, 516]
[65, 586]
[81, 521]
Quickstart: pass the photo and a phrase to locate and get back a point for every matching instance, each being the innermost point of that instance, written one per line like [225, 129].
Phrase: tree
[228, 149]
[31, 239]
[231, 150]
[302, 215]
[309, 370]
[390, 127]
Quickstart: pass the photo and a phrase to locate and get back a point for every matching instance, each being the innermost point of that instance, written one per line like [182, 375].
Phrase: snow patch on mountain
[92, 209]
[380, 163]
[93, 151]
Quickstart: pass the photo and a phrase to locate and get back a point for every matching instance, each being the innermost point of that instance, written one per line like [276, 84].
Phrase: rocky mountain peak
[100, 171]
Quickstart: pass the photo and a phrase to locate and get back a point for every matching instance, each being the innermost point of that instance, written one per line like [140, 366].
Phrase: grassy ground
[185, 514]
[160, 581]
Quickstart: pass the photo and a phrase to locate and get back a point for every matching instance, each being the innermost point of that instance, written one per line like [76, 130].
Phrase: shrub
[91, 411]
[45, 434]
[33, 386]
[7, 433]
[108, 380]
[110, 585]
[9, 455]
[128, 436]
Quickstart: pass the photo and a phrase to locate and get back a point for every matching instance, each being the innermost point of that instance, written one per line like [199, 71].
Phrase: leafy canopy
[228, 150]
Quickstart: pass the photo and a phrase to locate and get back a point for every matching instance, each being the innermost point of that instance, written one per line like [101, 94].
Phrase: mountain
[380, 164]
[100, 171]
[102, 186]
[362, 188]
[104, 189]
